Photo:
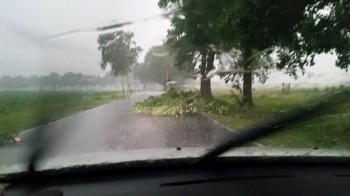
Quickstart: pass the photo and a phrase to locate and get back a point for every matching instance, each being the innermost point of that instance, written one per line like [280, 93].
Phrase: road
[113, 127]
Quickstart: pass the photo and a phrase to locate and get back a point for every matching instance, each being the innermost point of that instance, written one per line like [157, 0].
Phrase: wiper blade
[264, 129]
[109, 27]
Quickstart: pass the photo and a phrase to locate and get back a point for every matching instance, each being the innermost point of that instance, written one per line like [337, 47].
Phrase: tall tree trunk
[210, 62]
[123, 86]
[247, 98]
[205, 88]
[128, 83]
[165, 86]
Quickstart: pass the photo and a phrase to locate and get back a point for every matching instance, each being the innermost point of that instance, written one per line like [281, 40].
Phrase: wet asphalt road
[114, 127]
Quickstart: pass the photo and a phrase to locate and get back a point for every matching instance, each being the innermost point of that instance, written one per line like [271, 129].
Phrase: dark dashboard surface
[250, 179]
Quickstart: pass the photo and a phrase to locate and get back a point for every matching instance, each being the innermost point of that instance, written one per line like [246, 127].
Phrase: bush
[176, 103]
[218, 106]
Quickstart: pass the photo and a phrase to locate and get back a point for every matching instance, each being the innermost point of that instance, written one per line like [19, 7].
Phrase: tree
[120, 52]
[256, 26]
[33, 81]
[19, 82]
[261, 64]
[159, 67]
[296, 29]
[6, 82]
[53, 80]
[69, 79]
[190, 37]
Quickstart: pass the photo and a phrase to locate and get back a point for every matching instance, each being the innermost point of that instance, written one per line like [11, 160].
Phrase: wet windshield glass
[152, 78]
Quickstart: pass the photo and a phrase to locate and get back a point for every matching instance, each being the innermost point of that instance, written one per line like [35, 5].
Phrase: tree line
[55, 81]
[119, 52]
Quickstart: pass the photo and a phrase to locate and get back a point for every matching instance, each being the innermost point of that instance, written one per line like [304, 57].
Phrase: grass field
[330, 130]
[20, 110]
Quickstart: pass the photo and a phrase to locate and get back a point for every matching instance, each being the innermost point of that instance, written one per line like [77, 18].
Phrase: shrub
[176, 103]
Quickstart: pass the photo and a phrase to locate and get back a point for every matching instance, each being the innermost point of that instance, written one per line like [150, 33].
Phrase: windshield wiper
[303, 113]
[112, 26]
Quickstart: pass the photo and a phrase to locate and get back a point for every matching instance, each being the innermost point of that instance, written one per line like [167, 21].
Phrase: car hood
[151, 155]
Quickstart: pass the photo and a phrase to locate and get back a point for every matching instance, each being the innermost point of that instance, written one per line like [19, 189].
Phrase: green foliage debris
[177, 103]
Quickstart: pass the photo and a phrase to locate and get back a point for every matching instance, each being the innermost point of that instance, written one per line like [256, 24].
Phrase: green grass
[330, 130]
[20, 110]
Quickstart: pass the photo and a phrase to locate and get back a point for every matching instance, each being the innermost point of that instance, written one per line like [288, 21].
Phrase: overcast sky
[23, 22]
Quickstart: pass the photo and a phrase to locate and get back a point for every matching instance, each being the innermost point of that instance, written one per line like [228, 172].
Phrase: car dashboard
[249, 177]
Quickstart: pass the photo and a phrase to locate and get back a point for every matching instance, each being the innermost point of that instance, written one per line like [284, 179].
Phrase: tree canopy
[120, 52]
[190, 35]
[299, 29]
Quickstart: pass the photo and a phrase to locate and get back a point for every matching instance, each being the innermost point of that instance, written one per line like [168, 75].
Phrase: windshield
[81, 81]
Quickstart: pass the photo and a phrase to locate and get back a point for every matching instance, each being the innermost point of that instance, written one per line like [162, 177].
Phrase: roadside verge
[228, 128]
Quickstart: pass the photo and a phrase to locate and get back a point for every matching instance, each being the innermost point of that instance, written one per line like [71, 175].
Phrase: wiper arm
[109, 27]
[298, 115]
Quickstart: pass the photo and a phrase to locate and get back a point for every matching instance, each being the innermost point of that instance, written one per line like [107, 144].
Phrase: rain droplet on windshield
[181, 16]
[160, 54]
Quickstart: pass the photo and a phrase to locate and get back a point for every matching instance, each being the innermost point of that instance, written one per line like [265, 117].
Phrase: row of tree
[55, 81]
[119, 52]
[287, 33]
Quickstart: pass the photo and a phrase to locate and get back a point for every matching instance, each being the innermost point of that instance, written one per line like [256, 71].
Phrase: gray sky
[23, 22]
